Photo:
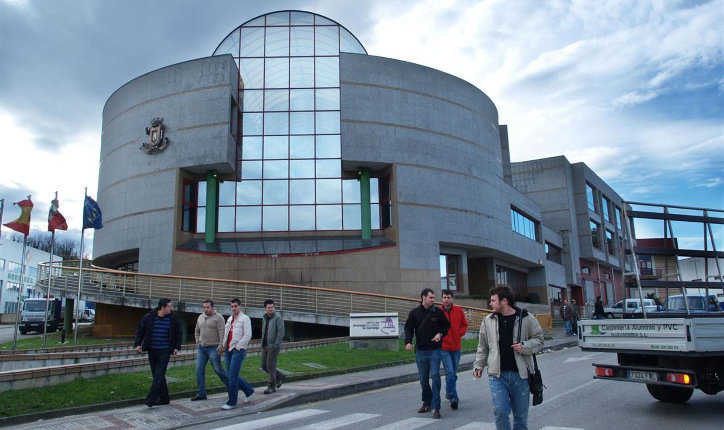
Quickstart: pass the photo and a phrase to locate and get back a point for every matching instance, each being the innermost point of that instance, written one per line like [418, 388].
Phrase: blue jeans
[510, 392]
[234, 359]
[428, 366]
[204, 354]
[569, 329]
[158, 360]
[451, 362]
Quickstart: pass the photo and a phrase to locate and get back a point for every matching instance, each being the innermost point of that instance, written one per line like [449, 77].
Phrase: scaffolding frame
[666, 215]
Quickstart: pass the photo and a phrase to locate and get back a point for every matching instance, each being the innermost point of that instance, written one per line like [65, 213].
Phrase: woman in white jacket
[237, 334]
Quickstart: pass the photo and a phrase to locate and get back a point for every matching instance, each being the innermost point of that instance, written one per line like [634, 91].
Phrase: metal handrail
[116, 284]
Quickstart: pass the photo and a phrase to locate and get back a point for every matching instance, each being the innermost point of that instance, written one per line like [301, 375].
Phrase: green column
[184, 327]
[212, 196]
[364, 190]
[68, 317]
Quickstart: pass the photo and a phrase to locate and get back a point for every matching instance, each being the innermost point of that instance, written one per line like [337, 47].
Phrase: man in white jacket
[237, 334]
[508, 354]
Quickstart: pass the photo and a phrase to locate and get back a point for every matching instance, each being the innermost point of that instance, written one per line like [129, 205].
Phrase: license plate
[644, 376]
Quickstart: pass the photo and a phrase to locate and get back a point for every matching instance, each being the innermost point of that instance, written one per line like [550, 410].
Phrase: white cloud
[34, 171]
[711, 183]
[565, 75]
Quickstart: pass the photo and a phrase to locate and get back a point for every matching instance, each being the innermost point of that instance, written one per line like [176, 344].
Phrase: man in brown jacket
[209, 333]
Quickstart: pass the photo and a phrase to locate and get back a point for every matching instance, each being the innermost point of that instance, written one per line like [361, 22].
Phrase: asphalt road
[6, 333]
[572, 400]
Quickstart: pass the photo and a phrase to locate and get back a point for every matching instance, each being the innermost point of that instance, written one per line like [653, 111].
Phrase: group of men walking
[159, 333]
[507, 341]
[508, 338]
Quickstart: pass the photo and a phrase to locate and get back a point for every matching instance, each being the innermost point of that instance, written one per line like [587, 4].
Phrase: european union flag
[92, 216]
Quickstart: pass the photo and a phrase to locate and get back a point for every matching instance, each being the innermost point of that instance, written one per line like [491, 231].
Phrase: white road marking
[477, 425]
[409, 424]
[585, 357]
[338, 422]
[560, 428]
[279, 419]
[572, 390]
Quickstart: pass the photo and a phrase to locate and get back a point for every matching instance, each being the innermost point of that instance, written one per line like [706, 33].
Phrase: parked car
[697, 303]
[87, 315]
[632, 306]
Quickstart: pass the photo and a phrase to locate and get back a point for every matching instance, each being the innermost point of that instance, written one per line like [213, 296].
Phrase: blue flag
[92, 216]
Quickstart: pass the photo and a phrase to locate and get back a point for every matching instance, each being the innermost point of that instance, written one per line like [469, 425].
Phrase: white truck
[672, 355]
[33, 315]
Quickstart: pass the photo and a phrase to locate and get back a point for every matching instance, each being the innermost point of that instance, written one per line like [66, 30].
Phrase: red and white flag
[56, 221]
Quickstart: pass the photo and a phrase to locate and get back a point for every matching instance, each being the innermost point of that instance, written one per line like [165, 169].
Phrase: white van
[632, 306]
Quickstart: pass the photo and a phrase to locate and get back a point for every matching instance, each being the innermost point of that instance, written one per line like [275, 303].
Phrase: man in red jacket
[450, 356]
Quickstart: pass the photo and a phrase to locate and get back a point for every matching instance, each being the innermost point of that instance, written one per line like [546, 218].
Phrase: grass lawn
[53, 340]
[124, 386]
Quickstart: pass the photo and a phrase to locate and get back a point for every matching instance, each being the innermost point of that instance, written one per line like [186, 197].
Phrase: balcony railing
[115, 284]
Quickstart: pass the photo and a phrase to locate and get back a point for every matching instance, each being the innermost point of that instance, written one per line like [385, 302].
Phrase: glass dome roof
[305, 31]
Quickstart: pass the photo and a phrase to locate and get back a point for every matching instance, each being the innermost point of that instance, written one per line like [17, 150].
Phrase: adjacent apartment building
[588, 214]
[11, 259]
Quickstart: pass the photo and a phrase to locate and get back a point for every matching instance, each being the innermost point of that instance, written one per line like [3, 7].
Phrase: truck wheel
[670, 394]
[23, 331]
[609, 315]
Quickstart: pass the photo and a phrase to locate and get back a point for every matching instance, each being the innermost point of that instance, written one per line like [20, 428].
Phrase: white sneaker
[248, 398]
[226, 407]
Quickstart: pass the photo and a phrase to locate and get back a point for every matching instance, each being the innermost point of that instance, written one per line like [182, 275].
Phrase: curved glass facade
[290, 153]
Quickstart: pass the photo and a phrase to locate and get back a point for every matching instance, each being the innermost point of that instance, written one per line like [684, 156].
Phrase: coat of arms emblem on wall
[157, 142]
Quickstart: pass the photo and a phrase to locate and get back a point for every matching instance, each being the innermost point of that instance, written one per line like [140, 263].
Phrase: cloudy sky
[635, 89]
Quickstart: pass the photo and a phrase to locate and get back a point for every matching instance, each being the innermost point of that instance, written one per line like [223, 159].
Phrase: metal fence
[114, 285]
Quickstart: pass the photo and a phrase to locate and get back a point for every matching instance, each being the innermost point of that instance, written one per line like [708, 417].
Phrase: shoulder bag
[535, 379]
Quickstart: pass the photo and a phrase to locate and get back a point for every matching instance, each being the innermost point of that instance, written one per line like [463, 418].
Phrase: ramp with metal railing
[297, 303]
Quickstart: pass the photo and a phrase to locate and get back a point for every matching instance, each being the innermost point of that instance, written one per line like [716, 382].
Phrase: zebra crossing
[305, 417]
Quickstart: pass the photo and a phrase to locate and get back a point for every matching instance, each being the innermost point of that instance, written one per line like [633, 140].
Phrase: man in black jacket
[428, 325]
[159, 333]
[598, 311]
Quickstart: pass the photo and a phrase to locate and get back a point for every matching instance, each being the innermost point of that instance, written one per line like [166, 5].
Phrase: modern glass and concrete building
[294, 156]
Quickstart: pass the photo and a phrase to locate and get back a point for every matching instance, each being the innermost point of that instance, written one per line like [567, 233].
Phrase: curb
[78, 410]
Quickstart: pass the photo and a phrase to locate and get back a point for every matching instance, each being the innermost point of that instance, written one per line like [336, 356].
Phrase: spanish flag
[22, 224]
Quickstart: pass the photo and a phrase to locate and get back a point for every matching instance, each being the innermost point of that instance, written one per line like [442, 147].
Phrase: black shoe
[424, 408]
[270, 390]
[280, 381]
[454, 404]
[436, 413]
[150, 405]
[197, 397]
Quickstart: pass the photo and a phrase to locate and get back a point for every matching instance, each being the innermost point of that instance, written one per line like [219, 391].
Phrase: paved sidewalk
[182, 413]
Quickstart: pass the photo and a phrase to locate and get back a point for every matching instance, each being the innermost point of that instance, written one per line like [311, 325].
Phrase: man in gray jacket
[272, 333]
[209, 333]
[508, 357]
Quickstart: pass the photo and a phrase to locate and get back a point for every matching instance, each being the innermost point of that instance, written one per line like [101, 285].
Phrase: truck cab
[33, 314]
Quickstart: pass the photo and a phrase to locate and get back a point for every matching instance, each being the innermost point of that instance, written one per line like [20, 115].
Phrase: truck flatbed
[684, 334]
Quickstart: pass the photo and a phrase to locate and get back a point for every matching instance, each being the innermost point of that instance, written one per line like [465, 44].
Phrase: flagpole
[20, 291]
[80, 274]
[2, 208]
[50, 270]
